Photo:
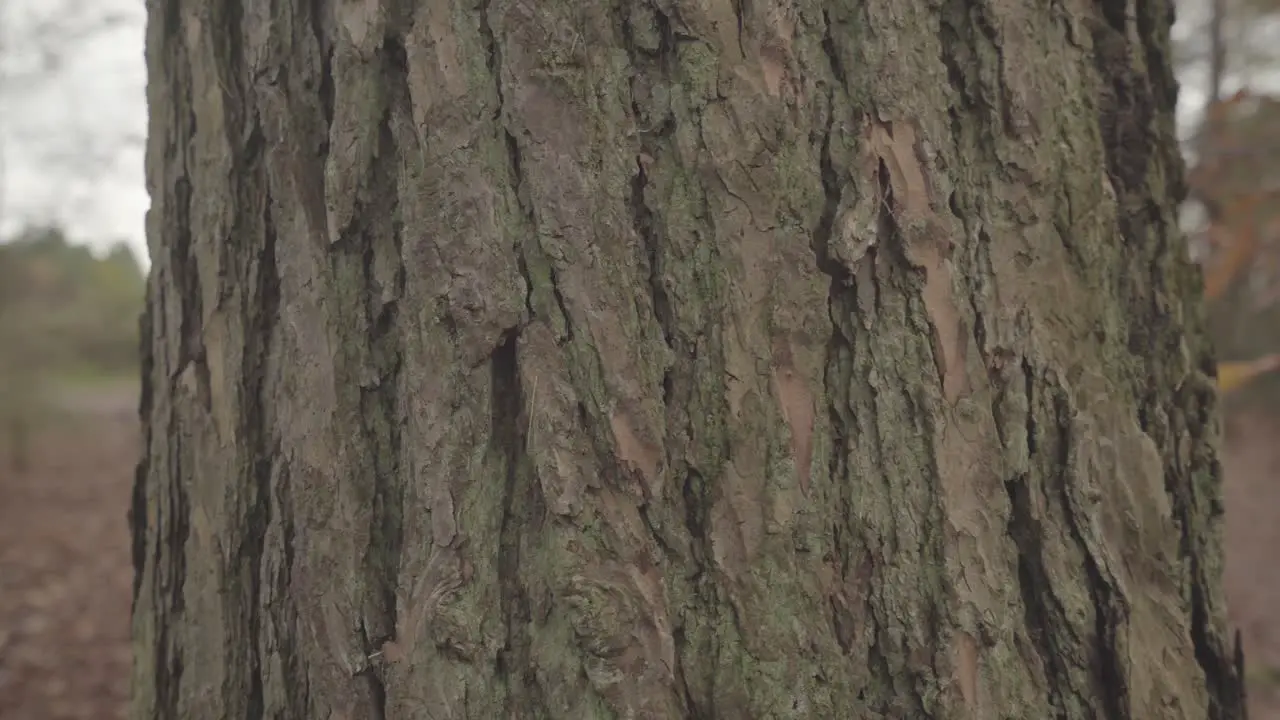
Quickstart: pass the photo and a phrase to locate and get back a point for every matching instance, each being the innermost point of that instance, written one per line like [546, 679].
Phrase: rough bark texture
[673, 359]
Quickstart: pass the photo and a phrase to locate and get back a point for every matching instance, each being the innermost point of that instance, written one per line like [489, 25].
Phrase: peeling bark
[673, 359]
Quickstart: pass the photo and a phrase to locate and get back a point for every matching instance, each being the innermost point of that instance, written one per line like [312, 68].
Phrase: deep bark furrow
[320, 21]
[171, 537]
[258, 467]
[1032, 584]
[522, 693]
[138, 500]
[294, 698]
[380, 408]
[257, 283]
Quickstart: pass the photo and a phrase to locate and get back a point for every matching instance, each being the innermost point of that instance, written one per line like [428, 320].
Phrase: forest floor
[66, 575]
[1252, 478]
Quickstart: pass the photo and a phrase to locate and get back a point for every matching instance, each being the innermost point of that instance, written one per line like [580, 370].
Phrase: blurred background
[73, 259]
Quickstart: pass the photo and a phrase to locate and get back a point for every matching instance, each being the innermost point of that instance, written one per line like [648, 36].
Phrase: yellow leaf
[1235, 375]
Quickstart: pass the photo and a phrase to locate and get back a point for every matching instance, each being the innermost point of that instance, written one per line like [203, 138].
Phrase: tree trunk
[673, 359]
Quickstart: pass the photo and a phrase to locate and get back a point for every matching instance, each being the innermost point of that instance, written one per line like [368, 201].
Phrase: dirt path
[65, 573]
[65, 569]
[1252, 464]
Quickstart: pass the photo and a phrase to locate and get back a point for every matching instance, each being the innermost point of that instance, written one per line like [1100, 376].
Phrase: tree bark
[673, 359]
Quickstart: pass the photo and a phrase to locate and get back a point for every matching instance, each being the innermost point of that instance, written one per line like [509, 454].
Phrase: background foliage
[1229, 56]
[66, 316]
[64, 311]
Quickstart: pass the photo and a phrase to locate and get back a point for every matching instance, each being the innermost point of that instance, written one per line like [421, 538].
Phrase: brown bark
[673, 359]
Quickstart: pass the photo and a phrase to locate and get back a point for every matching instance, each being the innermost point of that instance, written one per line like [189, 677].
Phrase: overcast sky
[73, 116]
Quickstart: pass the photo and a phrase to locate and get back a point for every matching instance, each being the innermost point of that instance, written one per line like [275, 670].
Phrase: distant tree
[18, 362]
[63, 311]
